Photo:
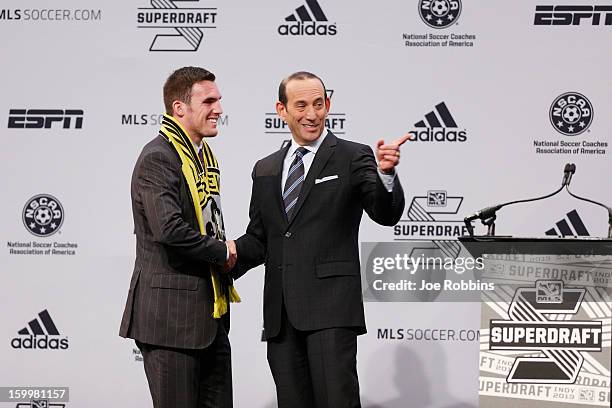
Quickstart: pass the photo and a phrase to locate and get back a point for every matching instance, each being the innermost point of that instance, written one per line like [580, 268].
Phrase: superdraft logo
[433, 216]
[549, 342]
[181, 23]
[560, 341]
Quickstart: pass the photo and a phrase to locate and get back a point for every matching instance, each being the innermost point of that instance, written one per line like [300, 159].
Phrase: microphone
[485, 213]
[568, 172]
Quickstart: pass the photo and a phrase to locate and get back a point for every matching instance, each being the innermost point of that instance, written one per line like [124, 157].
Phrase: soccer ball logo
[571, 113]
[43, 215]
[439, 7]
[439, 13]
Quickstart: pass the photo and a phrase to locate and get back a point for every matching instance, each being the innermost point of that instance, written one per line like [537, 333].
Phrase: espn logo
[45, 118]
[573, 15]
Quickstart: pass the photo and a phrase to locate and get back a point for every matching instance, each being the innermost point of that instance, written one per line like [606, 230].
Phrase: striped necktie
[295, 180]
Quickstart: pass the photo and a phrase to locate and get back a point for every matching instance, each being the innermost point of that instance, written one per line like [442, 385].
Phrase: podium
[545, 325]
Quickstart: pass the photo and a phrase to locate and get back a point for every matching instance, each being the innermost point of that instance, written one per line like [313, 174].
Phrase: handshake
[232, 256]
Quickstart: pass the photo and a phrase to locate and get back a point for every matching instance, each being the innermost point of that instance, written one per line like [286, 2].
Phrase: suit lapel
[324, 152]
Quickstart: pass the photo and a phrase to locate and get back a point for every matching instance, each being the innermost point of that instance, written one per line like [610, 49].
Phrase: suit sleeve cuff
[387, 179]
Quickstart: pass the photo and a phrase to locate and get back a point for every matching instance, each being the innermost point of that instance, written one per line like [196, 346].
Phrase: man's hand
[388, 155]
[233, 256]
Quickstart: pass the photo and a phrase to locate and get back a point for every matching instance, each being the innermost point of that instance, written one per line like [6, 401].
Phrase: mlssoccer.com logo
[562, 342]
[303, 22]
[37, 336]
[155, 119]
[575, 227]
[571, 113]
[439, 13]
[183, 24]
[43, 215]
[439, 128]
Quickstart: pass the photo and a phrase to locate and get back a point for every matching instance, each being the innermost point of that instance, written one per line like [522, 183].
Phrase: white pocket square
[327, 178]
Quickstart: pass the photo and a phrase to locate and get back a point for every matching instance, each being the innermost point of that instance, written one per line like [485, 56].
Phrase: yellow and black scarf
[203, 182]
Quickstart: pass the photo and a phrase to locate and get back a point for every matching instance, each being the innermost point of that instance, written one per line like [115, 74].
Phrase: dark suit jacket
[170, 301]
[312, 262]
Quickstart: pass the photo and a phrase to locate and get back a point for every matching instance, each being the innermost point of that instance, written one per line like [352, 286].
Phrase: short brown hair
[179, 83]
[301, 75]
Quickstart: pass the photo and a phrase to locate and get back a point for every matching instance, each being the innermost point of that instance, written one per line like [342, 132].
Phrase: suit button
[287, 234]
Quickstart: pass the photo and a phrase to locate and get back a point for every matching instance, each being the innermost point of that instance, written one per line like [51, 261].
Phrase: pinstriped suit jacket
[170, 300]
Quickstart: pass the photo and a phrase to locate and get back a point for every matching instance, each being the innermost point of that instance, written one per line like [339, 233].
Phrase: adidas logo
[575, 228]
[440, 127]
[37, 336]
[303, 22]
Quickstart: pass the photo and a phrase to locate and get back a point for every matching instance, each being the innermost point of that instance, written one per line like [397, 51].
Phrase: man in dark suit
[306, 206]
[177, 284]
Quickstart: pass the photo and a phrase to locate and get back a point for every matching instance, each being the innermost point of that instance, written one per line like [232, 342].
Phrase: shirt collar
[312, 147]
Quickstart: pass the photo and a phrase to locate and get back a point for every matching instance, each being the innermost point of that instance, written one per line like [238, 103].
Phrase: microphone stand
[488, 215]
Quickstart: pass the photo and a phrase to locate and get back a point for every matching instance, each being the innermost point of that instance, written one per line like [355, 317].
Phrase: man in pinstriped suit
[169, 310]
